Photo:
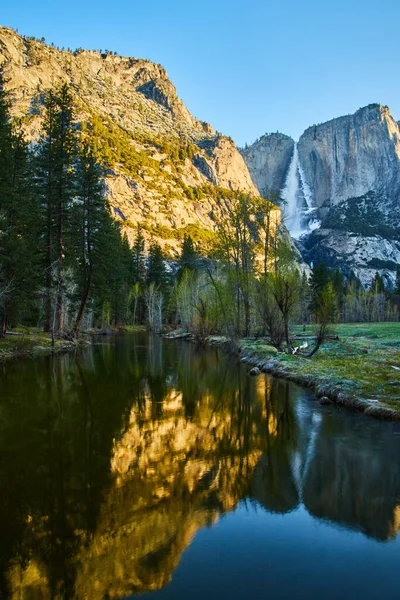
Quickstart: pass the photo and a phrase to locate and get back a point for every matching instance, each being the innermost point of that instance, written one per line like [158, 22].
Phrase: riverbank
[32, 342]
[360, 369]
[24, 342]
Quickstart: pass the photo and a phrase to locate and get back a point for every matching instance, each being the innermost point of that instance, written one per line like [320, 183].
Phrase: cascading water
[298, 202]
[290, 193]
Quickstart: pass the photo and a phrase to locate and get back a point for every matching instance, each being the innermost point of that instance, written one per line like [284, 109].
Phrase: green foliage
[55, 157]
[19, 223]
[189, 257]
[319, 278]
[397, 284]
[378, 284]
[156, 270]
[361, 215]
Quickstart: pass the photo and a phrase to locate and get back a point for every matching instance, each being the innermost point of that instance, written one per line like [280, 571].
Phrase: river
[152, 467]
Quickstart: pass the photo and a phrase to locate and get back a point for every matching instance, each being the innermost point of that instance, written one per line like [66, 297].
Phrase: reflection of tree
[273, 484]
[55, 446]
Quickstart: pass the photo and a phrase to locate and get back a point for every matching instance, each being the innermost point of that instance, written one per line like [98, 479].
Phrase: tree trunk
[289, 345]
[48, 311]
[83, 305]
[59, 309]
[3, 323]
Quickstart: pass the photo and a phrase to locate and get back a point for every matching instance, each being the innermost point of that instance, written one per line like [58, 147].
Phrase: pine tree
[6, 168]
[56, 180]
[139, 278]
[319, 278]
[397, 284]
[156, 271]
[378, 284]
[138, 259]
[89, 216]
[18, 223]
[189, 257]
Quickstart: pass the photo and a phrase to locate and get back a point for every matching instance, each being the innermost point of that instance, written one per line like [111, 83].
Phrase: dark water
[144, 466]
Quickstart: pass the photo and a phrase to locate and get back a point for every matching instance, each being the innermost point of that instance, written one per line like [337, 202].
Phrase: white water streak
[290, 192]
[294, 193]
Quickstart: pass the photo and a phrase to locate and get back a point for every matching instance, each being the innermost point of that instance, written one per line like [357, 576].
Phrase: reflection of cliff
[173, 475]
[121, 456]
[353, 480]
[112, 517]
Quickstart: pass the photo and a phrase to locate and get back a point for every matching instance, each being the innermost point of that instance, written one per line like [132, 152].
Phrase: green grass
[30, 342]
[360, 363]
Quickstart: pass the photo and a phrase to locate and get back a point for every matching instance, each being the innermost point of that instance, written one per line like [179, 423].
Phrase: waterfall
[298, 201]
[291, 211]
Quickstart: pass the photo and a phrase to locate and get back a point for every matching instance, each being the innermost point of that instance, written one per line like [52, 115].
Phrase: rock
[268, 161]
[175, 156]
[255, 371]
[324, 400]
[348, 190]
[350, 156]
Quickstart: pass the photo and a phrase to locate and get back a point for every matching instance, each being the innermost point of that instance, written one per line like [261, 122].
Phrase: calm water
[149, 467]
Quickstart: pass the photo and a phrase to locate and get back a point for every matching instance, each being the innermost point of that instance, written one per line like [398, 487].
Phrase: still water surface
[144, 466]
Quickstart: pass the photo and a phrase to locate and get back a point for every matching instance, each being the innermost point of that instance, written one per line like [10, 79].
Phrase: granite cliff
[175, 175]
[343, 193]
[268, 161]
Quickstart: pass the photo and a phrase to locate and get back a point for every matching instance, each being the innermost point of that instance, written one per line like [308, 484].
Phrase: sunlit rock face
[351, 156]
[135, 99]
[348, 213]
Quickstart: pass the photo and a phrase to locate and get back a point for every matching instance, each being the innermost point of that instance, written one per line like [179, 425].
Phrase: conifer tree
[319, 278]
[89, 216]
[56, 180]
[139, 278]
[189, 257]
[397, 284]
[156, 271]
[18, 222]
[138, 259]
[6, 168]
[378, 284]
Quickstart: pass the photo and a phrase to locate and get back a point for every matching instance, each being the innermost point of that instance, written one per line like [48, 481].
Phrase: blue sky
[246, 67]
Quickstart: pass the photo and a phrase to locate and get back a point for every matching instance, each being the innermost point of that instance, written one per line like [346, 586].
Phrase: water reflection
[112, 460]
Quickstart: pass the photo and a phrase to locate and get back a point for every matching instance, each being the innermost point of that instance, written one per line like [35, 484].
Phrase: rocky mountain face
[180, 176]
[347, 196]
[268, 161]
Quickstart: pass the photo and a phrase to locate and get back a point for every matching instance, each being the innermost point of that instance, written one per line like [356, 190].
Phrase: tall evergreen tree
[319, 278]
[89, 216]
[18, 222]
[138, 259]
[6, 168]
[378, 284]
[189, 256]
[397, 284]
[56, 179]
[139, 278]
[156, 271]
